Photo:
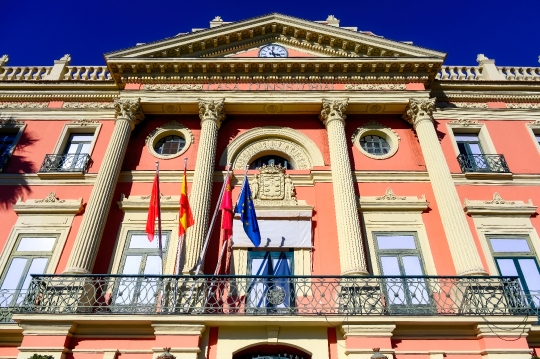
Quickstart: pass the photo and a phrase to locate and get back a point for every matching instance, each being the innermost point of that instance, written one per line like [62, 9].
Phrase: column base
[356, 271]
[75, 271]
[474, 272]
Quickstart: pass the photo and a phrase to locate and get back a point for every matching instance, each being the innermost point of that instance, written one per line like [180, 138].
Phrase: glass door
[469, 146]
[76, 150]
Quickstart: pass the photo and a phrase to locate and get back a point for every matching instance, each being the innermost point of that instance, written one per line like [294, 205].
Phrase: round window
[271, 160]
[375, 145]
[170, 145]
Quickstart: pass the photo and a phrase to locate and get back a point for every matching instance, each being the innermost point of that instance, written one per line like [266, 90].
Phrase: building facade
[396, 197]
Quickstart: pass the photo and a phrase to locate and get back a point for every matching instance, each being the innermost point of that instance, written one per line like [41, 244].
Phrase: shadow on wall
[17, 186]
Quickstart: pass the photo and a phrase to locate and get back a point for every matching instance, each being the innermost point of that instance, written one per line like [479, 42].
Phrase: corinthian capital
[211, 110]
[333, 110]
[418, 110]
[129, 109]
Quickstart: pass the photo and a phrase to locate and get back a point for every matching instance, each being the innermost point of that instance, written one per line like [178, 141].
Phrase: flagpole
[159, 218]
[203, 253]
[183, 237]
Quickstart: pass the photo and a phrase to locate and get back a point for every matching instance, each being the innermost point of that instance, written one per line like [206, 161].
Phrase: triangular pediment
[302, 37]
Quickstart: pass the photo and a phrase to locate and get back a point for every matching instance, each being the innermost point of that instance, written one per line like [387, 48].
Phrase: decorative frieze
[293, 151]
[10, 122]
[462, 105]
[390, 196]
[523, 105]
[86, 105]
[172, 87]
[375, 87]
[464, 122]
[85, 122]
[23, 105]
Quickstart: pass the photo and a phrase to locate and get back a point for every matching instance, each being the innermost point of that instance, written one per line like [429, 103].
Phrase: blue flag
[246, 208]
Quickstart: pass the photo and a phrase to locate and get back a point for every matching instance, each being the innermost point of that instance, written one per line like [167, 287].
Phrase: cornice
[38, 95]
[486, 114]
[49, 205]
[499, 206]
[141, 203]
[389, 202]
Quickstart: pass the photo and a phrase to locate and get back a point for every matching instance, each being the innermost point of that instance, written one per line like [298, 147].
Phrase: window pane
[390, 266]
[475, 149]
[132, 265]
[507, 267]
[140, 241]
[396, 242]
[37, 267]
[82, 137]
[36, 244]
[466, 137]
[530, 272]
[412, 265]
[14, 273]
[153, 265]
[538, 138]
[504, 245]
[85, 148]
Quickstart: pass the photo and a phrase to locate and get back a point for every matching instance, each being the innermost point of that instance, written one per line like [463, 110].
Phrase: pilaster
[504, 341]
[211, 114]
[45, 339]
[360, 339]
[182, 339]
[83, 255]
[458, 233]
[351, 250]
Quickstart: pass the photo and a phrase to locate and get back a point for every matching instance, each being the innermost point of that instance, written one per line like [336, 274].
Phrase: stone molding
[13, 104]
[367, 330]
[178, 329]
[375, 87]
[170, 128]
[172, 87]
[299, 147]
[499, 206]
[389, 202]
[464, 122]
[129, 109]
[461, 104]
[419, 110]
[89, 105]
[212, 110]
[49, 205]
[333, 110]
[375, 128]
[142, 202]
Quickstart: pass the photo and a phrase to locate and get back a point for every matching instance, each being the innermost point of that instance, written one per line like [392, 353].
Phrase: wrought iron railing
[263, 295]
[483, 163]
[66, 163]
[10, 300]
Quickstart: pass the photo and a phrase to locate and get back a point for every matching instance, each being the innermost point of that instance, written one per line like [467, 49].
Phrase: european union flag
[246, 208]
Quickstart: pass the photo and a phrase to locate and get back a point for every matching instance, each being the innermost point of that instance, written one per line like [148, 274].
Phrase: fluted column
[211, 114]
[83, 255]
[351, 250]
[458, 233]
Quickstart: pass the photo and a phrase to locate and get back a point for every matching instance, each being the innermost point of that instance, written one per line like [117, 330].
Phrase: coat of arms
[272, 184]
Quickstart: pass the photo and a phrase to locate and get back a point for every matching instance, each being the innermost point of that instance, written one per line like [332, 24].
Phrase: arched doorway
[266, 351]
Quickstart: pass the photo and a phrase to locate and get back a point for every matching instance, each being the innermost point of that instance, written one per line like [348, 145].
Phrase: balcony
[265, 295]
[483, 163]
[70, 163]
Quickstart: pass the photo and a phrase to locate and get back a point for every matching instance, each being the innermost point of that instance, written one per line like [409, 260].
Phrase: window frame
[12, 127]
[398, 252]
[478, 129]
[534, 130]
[143, 251]
[75, 128]
[275, 253]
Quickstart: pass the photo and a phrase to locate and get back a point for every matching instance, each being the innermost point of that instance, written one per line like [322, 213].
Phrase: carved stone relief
[295, 152]
[273, 187]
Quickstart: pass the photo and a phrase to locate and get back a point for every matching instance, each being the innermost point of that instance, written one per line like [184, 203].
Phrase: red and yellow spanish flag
[186, 218]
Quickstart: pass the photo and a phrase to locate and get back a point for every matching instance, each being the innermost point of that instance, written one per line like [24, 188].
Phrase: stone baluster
[83, 255]
[458, 234]
[211, 114]
[351, 249]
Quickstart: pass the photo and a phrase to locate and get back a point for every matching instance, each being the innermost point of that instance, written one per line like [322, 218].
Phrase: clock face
[273, 50]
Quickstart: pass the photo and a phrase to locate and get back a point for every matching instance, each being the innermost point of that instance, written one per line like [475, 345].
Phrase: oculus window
[375, 145]
[170, 145]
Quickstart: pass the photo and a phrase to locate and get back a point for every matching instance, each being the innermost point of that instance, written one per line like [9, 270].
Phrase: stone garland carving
[419, 109]
[129, 109]
[462, 105]
[173, 87]
[390, 196]
[273, 187]
[464, 122]
[88, 105]
[497, 199]
[535, 122]
[10, 122]
[523, 105]
[51, 198]
[161, 197]
[294, 151]
[85, 122]
[333, 110]
[212, 110]
[375, 87]
[24, 104]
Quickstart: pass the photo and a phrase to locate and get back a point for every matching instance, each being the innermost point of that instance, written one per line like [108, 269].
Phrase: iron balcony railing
[272, 295]
[66, 163]
[483, 163]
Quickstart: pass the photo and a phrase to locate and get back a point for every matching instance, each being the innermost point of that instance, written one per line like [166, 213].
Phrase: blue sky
[38, 32]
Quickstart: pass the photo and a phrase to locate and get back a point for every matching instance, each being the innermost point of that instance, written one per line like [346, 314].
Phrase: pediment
[304, 39]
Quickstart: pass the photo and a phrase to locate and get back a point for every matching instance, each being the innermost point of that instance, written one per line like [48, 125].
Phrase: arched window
[271, 160]
[170, 145]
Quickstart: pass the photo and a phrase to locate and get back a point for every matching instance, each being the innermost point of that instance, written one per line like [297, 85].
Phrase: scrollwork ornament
[418, 110]
[333, 110]
[129, 109]
[212, 110]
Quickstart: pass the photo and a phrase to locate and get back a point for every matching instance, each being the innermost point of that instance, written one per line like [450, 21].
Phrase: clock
[273, 50]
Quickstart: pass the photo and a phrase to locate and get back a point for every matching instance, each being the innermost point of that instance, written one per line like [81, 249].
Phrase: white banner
[276, 233]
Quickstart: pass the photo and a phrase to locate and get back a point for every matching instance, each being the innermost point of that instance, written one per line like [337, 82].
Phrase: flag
[227, 210]
[153, 213]
[246, 208]
[186, 217]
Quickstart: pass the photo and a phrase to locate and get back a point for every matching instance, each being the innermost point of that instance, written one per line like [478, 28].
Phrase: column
[458, 234]
[351, 250]
[362, 339]
[83, 255]
[211, 114]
